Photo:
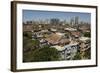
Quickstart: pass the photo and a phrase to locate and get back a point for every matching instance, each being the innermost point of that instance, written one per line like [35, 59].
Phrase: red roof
[77, 34]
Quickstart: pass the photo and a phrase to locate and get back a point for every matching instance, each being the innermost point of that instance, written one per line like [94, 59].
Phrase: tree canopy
[87, 34]
[43, 54]
[46, 54]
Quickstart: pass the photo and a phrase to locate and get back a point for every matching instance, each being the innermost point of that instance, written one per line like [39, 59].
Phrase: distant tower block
[72, 22]
[76, 20]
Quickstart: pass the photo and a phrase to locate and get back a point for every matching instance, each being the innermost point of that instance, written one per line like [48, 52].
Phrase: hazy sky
[43, 15]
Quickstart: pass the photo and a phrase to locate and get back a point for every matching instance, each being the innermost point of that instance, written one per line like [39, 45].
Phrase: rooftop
[84, 38]
[60, 48]
[70, 29]
[53, 38]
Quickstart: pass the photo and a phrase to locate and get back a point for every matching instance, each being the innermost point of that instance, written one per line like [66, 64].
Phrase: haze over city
[36, 15]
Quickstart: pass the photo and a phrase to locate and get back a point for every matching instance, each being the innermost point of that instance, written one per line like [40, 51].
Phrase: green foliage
[88, 54]
[67, 35]
[87, 34]
[27, 34]
[77, 56]
[27, 56]
[35, 42]
[29, 44]
[43, 54]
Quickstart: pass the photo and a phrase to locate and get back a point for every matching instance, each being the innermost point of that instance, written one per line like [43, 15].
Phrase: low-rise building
[27, 27]
[67, 52]
[85, 45]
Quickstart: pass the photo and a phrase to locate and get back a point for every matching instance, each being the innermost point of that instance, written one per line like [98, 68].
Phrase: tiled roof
[53, 38]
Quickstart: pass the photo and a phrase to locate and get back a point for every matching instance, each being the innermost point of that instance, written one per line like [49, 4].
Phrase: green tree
[77, 56]
[88, 54]
[27, 34]
[29, 44]
[35, 43]
[45, 54]
[87, 34]
[67, 35]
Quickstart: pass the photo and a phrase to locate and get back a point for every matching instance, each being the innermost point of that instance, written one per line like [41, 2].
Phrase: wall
[5, 37]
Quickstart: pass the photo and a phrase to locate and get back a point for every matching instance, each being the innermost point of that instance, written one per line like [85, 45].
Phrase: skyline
[29, 15]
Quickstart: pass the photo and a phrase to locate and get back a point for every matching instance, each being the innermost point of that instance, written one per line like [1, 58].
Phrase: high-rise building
[54, 21]
[72, 21]
[76, 20]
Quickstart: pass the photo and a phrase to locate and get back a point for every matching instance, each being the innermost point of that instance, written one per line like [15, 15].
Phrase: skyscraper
[76, 20]
[72, 21]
